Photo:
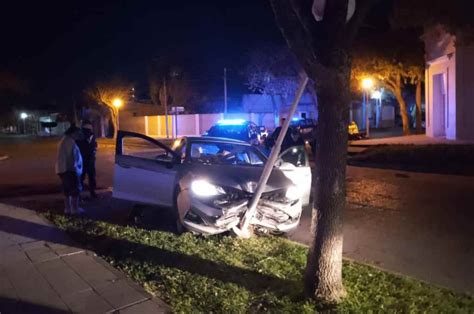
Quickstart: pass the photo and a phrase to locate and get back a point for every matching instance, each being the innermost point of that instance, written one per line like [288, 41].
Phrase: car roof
[214, 140]
[243, 125]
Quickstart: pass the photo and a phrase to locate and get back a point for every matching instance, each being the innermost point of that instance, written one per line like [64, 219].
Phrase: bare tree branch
[362, 9]
[293, 32]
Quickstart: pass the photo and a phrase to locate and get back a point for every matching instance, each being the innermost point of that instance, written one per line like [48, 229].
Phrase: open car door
[144, 170]
[294, 163]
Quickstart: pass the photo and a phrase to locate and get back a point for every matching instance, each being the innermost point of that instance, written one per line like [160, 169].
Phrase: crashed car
[208, 182]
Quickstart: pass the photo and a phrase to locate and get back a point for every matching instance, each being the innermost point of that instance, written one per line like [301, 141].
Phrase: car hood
[240, 177]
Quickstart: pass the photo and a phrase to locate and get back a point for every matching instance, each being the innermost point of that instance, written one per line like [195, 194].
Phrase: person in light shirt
[69, 169]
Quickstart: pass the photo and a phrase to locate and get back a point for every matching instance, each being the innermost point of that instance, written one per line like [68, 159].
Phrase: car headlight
[293, 193]
[205, 189]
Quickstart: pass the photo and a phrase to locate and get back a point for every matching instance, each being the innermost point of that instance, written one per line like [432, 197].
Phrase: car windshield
[217, 153]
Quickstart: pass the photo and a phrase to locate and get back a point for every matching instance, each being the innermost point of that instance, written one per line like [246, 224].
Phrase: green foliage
[229, 275]
[388, 57]
[455, 15]
[272, 70]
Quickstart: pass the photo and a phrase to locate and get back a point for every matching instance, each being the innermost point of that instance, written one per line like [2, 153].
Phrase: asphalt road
[417, 224]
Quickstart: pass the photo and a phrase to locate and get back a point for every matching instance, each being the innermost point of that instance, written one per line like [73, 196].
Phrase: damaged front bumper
[275, 216]
[205, 219]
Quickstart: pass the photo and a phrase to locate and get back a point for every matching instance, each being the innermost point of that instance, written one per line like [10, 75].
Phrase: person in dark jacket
[292, 138]
[88, 147]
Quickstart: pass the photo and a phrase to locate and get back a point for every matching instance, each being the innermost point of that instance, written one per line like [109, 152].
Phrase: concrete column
[196, 124]
[158, 123]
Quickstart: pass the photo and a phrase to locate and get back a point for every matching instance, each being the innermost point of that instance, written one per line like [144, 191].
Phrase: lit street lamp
[23, 117]
[377, 95]
[117, 104]
[367, 84]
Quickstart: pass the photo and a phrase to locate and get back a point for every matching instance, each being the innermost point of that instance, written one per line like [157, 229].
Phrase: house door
[439, 105]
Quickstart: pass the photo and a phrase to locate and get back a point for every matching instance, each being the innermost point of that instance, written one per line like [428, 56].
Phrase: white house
[271, 109]
[449, 87]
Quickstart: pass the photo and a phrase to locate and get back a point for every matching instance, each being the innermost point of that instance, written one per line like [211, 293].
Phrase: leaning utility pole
[225, 90]
[165, 101]
[243, 231]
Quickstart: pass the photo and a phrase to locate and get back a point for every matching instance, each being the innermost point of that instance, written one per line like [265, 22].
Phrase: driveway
[416, 224]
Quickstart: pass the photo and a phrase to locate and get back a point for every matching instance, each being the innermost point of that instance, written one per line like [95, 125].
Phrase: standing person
[270, 140]
[69, 169]
[88, 147]
[292, 138]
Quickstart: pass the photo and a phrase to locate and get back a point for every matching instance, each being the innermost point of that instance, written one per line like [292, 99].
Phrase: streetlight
[23, 117]
[377, 95]
[117, 104]
[367, 84]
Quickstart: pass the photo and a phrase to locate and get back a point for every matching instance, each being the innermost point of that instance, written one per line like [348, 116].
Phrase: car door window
[296, 156]
[142, 148]
[144, 170]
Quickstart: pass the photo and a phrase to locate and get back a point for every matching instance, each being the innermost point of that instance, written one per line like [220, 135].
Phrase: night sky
[62, 46]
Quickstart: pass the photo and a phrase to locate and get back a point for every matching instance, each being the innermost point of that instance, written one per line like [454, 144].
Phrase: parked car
[238, 129]
[208, 181]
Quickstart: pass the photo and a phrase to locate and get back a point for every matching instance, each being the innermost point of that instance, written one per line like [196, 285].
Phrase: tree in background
[320, 33]
[12, 84]
[454, 16]
[272, 71]
[12, 89]
[396, 62]
[416, 75]
[180, 90]
[106, 91]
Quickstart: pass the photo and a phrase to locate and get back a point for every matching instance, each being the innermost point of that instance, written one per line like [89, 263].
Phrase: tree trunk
[323, 48]
[419, 128]
[397, 91]
[403, 112]
[113, 116]
[323, 278]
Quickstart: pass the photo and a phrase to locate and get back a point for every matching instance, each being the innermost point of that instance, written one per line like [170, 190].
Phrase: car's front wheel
[181, 207]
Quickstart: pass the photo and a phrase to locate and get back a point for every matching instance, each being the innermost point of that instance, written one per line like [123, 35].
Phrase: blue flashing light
[231, 122]
[296, 119]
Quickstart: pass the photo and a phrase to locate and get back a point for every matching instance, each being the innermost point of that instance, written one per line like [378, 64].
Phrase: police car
[238, 129]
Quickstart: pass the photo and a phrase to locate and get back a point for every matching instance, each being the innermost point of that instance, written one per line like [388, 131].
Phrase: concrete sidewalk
[418, 139]
[42, 271]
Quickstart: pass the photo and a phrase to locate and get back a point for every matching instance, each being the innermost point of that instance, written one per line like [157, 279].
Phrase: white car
[209, 181]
